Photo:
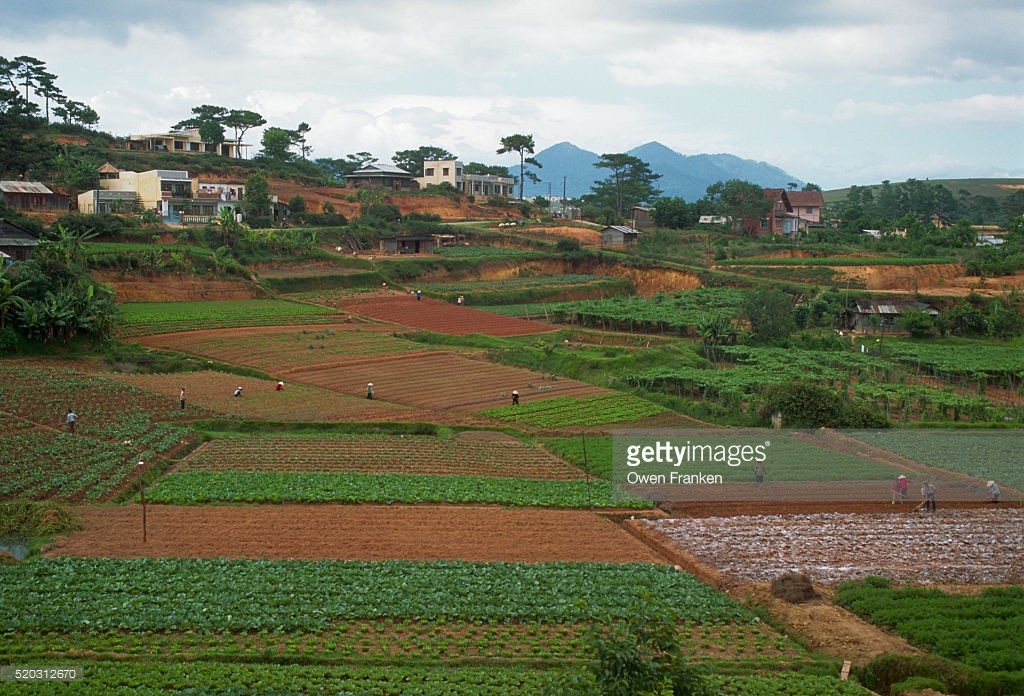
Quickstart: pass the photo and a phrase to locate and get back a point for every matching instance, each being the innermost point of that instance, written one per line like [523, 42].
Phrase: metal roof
[24, 187]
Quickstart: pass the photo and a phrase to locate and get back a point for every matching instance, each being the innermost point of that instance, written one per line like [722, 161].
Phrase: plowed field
[433, 315]
[951, 546]
[364, 532]
[440, 380]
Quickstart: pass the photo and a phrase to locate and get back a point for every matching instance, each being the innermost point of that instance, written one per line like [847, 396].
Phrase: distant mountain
[682, 176]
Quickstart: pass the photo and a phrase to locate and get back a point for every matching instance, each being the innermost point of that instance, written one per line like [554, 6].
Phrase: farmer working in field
[928, 494]
[993, 492]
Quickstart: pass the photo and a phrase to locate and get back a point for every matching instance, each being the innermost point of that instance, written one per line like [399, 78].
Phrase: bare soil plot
[363, 532]
[433, 315]
[439, 380]
[979, 546]
[379, 454]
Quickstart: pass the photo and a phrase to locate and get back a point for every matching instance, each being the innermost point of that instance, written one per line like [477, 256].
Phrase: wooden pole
[142, 498]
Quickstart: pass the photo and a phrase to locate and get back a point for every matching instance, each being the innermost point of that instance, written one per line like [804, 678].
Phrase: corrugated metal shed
[24, 187]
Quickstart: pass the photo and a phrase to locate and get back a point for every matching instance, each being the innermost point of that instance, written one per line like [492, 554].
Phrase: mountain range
[682, 176]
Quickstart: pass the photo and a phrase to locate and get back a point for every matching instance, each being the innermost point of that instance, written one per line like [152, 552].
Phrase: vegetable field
[565, 411]
[379, 454]
[139, 319]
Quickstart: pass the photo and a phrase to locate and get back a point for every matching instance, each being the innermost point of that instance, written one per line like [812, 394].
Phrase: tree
[631, 183]
[277, 143]
[740, 200]
[675, 213]
[770, 313]
[299, 138]
[639, 655]
[297, 205]
[60, 298]
[256, 199]
[213, 133]
[76, 171]
[523, 145]
[202, 114]
[412, 160]
[485, 169]
[338, 169]
[241, 120]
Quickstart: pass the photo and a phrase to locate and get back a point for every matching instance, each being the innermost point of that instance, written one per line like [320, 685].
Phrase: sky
[834, 92]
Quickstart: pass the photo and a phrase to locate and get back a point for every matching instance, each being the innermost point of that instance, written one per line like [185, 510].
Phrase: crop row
[346, 640]
[275, 349]
[107, 409]
[378, 454]
[678, 312]
[565, 411]
[140, 318]
[45, 463]
[64, 594]
[197, 488]
[157, 677]
[984, 630]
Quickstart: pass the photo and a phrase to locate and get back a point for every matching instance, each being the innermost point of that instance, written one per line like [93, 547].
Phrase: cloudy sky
[836, 92]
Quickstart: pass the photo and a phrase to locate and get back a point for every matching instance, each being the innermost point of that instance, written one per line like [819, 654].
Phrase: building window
[764, 223]
[444, 171]
[458, 171]
[429, 171]
[808, 210]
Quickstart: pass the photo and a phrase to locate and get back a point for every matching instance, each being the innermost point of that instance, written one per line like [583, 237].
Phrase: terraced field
[377, 454]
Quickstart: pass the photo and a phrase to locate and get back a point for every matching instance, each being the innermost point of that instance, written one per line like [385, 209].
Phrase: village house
[407, 245]
[619, 236]
[32, 196]
[15, 242]
[882, 317]
[643, 218]
[792, 212]
[187, 140]
[437, 172]
[376, 175]
[167, 191]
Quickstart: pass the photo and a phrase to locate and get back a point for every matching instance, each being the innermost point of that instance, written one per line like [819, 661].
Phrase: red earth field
[363, 532]
[432, 315]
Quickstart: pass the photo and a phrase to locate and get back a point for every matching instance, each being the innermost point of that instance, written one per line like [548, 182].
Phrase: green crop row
[565, 411]
[139, 318]
[195, 488]
[985, 630]
[156, 677]
[986, 454]
[65, 594]
[838, 261]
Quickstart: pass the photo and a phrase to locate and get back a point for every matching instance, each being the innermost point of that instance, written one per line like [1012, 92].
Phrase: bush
[916, 684]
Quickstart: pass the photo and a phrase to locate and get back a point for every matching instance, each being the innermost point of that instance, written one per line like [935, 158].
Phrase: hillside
[994, 188]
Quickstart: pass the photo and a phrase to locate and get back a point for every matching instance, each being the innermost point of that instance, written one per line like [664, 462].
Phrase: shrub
[916, 684]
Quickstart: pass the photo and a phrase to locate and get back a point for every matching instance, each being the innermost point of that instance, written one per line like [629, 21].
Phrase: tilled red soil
[433, 315]
[353, 532]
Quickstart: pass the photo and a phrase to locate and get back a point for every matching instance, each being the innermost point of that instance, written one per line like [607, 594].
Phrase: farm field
[353, 532]
[139, 319]
[278, 349]
[440, 380]
[433, 315]
[949, 547]
[313, 540]
[213, 393]
[488, 455]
